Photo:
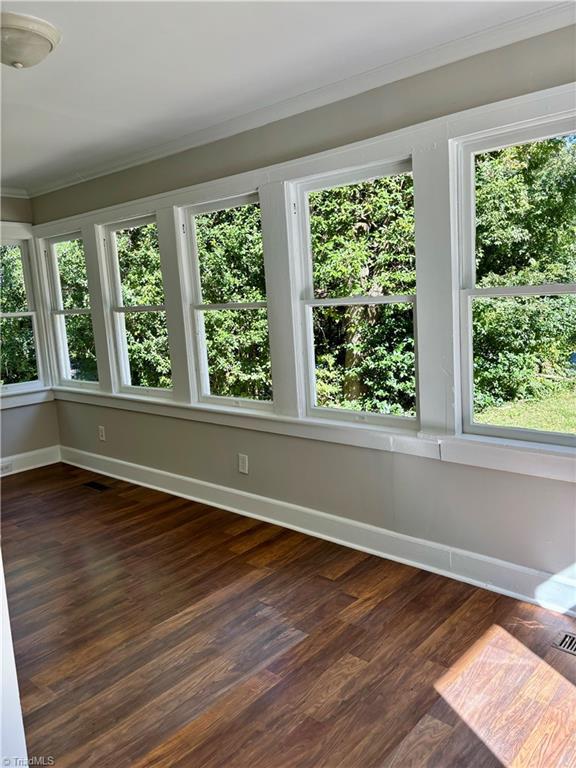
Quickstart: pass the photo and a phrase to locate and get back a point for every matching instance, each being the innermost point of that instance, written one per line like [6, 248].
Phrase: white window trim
[432, 150]
[117, 311]
[21, 235]
[198, 306]
[301, 190]
[57, 314]
[463, 152]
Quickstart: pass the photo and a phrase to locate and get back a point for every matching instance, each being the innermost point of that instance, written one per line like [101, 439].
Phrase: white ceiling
[136, 80]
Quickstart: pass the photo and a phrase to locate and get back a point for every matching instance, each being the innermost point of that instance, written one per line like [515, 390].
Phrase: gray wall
[524, 520]
[15, 209]
[531, 65]
[29, 428]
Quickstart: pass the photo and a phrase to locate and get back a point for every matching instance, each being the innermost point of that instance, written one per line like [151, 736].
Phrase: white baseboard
[20, 462]
[554, 591]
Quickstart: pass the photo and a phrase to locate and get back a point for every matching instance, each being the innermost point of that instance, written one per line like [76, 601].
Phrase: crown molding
[537, 23]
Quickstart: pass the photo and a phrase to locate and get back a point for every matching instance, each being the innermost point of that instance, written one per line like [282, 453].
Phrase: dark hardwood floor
[152, 631]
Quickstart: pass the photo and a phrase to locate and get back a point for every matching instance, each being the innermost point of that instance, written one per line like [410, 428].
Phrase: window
[19, 343]
[519, 293]
[360, 294]
[230, 304]
[71, 314]
[138, 306]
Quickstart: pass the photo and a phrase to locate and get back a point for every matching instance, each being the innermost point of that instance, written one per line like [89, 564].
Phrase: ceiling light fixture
[26, 40]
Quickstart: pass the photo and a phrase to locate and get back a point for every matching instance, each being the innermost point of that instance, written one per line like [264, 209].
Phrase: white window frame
[464, 151]
[58, 313]
[198, 307]
[433, 147]
[308, 300]
[20, 235]
[118, 310]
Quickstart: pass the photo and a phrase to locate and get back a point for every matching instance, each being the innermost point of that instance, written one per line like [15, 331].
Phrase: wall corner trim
[553, 591]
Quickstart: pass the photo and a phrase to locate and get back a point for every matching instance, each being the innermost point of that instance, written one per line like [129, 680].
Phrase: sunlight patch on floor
[516, 703]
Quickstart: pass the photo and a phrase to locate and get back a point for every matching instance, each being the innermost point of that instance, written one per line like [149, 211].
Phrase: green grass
[556, 413]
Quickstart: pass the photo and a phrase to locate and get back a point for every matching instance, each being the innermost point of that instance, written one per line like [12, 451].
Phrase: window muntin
[138, 306]
[71, 312]
[361, 302]
[230, 307]
[519, 305]
[19, 343]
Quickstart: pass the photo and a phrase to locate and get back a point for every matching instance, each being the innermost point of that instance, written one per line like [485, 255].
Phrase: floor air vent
[567, 642]
[96, 486]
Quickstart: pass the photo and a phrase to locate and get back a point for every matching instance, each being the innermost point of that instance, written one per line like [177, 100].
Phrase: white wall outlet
[6, 468]
[243, 463]
[101, 433]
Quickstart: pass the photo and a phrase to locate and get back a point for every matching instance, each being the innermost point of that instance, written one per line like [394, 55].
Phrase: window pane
[365, 358]
[230, 252]
[81, 349]
[148, 351]
[72, 272]
[18, 351]
[362, 238]
[139, 262]
[12, 288]
[526, 214]
[525, 362]
[238, 353]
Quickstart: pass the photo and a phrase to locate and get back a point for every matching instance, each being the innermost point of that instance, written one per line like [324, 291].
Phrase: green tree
[362, 238]
[146, 332]
[18, 355]
[525, 235]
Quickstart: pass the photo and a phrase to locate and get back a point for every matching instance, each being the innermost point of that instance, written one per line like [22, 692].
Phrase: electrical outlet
[6, 468]
[101, 433]
[243, 463]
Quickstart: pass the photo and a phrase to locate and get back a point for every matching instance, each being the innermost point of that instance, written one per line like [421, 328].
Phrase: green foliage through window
[231, 264]
[365, 358]
[362, 239]
[18, 359]
[141, 285]
[12, 287]
[238, 353]
[525, 348]
[148, 350]
[71, 261]
[17, 342]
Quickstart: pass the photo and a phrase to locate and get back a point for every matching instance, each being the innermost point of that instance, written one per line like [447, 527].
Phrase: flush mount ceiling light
[26, 40]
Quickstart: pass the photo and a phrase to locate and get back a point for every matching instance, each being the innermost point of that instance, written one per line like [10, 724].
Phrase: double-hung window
[359, 283]
[71, 313]
[138, 310]
[229, 304]
[20, 365]
[519, 285]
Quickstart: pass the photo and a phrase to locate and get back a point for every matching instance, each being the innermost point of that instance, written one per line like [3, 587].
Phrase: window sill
[21, 399]
[555, 462]
[533, 459]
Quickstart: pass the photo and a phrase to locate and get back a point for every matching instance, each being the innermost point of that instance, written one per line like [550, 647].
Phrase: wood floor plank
[153, 631]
